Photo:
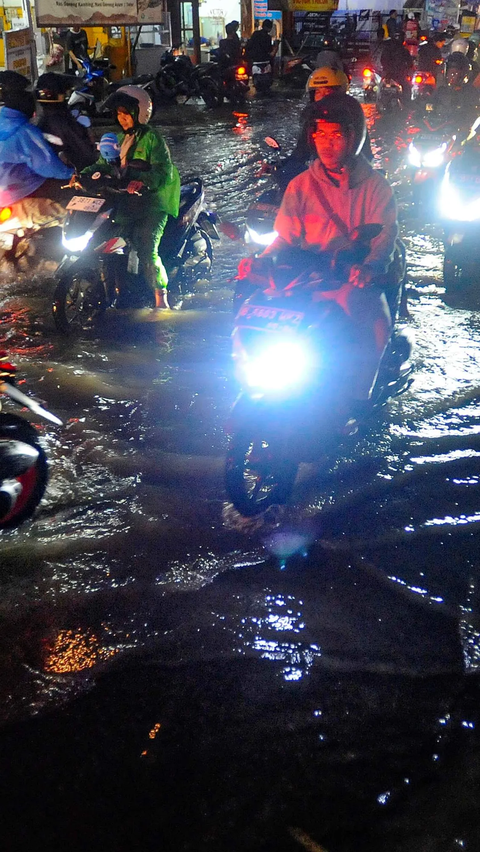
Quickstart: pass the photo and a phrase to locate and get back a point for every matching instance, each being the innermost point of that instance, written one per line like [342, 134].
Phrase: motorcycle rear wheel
[254, 478]
[34, 481]
[78, 301]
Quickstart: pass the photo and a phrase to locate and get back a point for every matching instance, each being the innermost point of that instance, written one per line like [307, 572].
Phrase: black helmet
[21, 101]
[52, 88]
[458, 60]
[343, 110]
[12, 82]
[124, 100]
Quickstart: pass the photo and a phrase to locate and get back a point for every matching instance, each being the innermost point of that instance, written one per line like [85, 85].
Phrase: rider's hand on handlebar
[74, 182]
[360, 277]
[135, 187]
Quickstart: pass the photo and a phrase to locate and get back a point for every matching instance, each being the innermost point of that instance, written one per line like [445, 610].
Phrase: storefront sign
[18, 48]
[99, 13]
[313, 5]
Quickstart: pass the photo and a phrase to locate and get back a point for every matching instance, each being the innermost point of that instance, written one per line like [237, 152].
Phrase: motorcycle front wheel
[255, 476]
[210, 93]
[78, 301]
[34, 481]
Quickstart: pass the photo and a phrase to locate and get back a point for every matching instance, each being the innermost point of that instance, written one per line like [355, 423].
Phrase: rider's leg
[147, 237]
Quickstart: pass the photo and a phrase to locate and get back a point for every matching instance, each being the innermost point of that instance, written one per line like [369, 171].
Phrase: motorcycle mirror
[272, 142]
[365, 233]
[27, 402]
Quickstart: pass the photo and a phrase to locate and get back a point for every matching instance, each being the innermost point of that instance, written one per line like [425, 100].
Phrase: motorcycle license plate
[429, 107]
[87, 205]
[268, 318]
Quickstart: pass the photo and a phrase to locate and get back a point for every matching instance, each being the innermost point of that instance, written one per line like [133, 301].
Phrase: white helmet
[459, 45]
[144, 101]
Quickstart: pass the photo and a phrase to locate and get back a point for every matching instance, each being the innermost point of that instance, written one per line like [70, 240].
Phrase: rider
[68, 138]
[230, 48]
[31, 174]
[259, 47]
[459, 99]
[430, 57]
[322, 82]
[339, 192]
[146, 167]
[397, 63]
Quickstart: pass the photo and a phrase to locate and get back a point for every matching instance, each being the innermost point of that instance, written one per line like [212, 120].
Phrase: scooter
[23, 463]
[423, 89]
[293, 356]
[297, 70]
[100, 268]
[175, 79]
[92, 91]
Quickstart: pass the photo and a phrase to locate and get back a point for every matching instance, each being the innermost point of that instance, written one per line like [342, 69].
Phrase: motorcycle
[371, 82]
[87, 97]
[23, 463]
[389, 96]
[297, 70]
[423, 88]
[221, 78]
[460, 216]
[428, 154]
[100, 268]
[143, 81]
[175, 80]
[293, 357]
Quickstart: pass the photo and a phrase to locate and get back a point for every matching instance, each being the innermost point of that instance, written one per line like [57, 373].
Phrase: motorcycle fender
[207, 221]
[250, 412]
[66, 263]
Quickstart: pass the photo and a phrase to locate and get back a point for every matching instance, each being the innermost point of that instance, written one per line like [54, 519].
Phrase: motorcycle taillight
[5, 214]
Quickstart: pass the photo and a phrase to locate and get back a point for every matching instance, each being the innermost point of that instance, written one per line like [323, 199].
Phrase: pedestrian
[77, 46]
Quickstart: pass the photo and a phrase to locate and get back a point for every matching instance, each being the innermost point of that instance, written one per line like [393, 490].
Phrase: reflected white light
[452, 206]
[77, 244]
[278, 367]
[430, 159]
[261, 239]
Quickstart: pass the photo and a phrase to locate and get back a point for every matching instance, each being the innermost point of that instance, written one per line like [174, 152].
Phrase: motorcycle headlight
[261, 239]
[278, 367]
[433, 159]
[76, 245]
[453, 207]
[414, 157]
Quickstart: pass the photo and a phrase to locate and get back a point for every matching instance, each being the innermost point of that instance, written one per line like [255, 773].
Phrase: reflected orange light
[75, 651]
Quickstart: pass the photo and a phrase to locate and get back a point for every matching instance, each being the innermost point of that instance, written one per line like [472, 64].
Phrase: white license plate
[87, 205]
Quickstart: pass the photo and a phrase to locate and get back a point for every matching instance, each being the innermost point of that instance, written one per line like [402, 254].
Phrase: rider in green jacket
[157, 181]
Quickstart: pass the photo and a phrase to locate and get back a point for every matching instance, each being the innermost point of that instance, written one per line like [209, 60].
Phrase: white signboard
[18, 48]
[99, 13]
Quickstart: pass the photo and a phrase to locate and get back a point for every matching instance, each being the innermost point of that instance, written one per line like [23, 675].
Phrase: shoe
[161, 300]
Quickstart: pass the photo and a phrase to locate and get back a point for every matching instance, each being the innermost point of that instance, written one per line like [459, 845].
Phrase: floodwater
[174, 677]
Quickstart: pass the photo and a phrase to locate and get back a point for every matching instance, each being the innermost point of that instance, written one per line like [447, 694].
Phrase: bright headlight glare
[261, 239]
[77, 244]
[278, 367]
[414, 157]
[452, 206]
[433, 159]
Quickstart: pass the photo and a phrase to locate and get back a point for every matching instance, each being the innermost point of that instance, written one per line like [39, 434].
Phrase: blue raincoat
[26, 158]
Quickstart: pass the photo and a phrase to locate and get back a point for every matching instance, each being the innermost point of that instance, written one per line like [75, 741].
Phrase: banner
[99, 13]
[18, 49]
[313, 5]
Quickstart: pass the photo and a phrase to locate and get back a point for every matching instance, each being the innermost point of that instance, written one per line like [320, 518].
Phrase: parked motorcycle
[297, 70]
[143, 81]
[175, 79]
[100, 268]
[92, 90]
[293, 359]
[23, 463]
[460, 214]
[230, 80]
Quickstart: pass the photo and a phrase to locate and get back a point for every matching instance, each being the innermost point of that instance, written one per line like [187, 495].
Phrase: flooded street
[174, 677]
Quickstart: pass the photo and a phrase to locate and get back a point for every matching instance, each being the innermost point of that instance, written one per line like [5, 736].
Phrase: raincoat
[161, 177]
[26, 159]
